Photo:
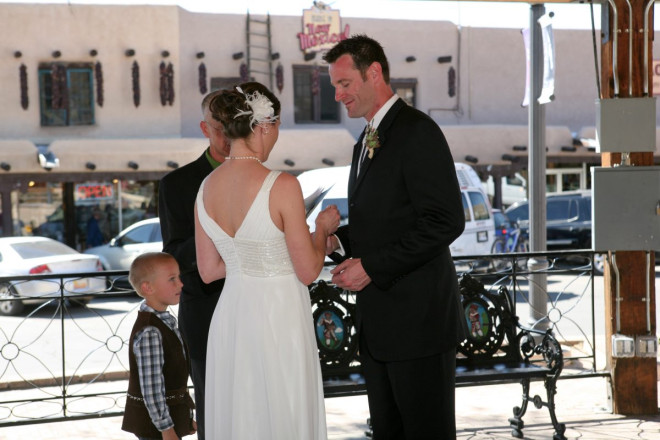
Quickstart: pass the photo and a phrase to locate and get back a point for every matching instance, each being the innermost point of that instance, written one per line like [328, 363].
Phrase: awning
[296, 150]
[501, 145]
[306, 149]
[125, 155]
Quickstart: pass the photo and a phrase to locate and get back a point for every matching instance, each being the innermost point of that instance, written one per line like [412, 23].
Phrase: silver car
[20, 256]
[143, 236]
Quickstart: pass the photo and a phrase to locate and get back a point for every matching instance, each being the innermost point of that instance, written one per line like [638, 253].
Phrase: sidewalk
[481, 414]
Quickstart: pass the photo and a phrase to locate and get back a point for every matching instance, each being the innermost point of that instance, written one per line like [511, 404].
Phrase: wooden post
[634, 379]
[7, 214]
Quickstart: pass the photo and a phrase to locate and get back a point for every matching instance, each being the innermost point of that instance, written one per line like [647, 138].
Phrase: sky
[463, 13]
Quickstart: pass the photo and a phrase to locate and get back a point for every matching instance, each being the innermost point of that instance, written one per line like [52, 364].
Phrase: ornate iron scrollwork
[333, 311]
[488, 317]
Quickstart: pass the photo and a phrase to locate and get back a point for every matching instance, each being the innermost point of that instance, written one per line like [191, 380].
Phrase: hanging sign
[93, 192]
[321, 28]
[548, 89]
[548, 86]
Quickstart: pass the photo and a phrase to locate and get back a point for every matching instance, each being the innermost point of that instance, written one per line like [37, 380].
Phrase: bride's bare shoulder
[286, 182]
[286, 191]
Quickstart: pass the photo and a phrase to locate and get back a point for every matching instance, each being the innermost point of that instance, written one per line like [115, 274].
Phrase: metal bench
[497, 350]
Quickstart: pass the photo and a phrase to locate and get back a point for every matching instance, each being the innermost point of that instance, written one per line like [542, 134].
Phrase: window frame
[318, 103]
[466, 208]
[224, 82]
[405, 83]
[479, 205]
[69, 116]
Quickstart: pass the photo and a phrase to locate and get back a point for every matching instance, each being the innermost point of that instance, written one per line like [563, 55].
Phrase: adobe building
[100, 102]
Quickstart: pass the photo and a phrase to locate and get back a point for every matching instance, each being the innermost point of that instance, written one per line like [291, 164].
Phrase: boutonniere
[371, 141]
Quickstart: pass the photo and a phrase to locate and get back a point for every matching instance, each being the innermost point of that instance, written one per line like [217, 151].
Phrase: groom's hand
[350, 275]
[331, 244]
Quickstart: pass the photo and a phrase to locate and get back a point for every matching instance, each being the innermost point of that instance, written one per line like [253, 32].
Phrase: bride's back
[230, 192]
[249, 115]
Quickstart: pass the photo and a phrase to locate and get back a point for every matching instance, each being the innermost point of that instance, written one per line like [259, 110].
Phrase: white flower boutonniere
[371, 141]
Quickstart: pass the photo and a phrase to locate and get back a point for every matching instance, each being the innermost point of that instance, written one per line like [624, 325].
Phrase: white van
[479, 234]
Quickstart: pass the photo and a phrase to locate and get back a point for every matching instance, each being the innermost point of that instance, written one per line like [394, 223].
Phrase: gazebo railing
[66, 358]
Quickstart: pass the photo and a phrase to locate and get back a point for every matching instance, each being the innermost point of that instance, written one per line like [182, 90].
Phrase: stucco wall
[490, 66]
[38, 30]
[218, 36]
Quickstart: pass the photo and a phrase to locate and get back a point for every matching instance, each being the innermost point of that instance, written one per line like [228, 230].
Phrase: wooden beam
[634, 379]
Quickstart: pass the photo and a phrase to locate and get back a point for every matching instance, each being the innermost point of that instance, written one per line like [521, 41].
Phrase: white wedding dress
[263, 377]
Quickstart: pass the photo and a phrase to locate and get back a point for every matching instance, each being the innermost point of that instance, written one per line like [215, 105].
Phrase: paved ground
[481, 414]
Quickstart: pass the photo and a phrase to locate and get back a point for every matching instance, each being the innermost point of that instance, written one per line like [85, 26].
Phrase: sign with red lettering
[656, 77]
[321, 28]
[92, 192]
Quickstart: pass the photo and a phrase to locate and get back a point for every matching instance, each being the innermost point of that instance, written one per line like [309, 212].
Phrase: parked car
[143, 236]
[568, 219]
[568, 222]
[41, 255]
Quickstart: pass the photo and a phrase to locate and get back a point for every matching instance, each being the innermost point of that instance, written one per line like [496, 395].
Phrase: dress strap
[270, 180]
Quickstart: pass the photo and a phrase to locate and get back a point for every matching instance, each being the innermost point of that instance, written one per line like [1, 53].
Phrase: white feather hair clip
[261, 108]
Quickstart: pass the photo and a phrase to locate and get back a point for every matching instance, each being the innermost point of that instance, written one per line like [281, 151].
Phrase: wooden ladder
[259, 48]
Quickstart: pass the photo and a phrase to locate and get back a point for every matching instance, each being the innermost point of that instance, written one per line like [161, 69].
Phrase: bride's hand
[328, 220]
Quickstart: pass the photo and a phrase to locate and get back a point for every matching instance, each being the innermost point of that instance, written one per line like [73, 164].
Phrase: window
[41, 249]
[515, 181]
[566, 179]
[406, 89]
[314, 96]
[221, 83]
[479, 206]
[558, 210]
[141, 234]
[66, 94]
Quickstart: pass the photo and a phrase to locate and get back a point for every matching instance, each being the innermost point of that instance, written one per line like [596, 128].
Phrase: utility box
[646, 346]
[623, 346]
[625, 125]
[625, 208]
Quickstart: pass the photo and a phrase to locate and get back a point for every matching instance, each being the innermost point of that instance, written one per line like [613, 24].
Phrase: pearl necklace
[244, 157]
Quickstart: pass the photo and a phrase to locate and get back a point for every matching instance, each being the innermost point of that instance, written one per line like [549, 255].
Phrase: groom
[405, 210]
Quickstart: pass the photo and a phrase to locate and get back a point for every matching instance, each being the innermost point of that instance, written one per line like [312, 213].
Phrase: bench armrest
[534, 343]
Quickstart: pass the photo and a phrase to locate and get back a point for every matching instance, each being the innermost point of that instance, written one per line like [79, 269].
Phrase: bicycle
[515, 241]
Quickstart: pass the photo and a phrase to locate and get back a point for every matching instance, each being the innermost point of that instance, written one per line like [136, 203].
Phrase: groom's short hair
[364, 51]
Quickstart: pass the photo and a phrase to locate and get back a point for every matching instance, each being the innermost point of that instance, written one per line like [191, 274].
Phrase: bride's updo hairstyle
[240, 109]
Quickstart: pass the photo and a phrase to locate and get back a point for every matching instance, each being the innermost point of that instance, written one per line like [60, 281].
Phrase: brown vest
[175, 372]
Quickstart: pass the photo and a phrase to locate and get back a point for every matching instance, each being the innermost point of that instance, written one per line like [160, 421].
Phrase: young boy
[158, 405]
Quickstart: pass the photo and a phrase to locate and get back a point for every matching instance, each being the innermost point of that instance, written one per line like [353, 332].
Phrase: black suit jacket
[405, 210]
[176, 208]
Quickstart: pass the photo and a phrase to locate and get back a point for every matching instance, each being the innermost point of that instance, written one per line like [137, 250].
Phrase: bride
[263, 373]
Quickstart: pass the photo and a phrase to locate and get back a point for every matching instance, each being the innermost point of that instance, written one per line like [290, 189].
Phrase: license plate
[80, 284]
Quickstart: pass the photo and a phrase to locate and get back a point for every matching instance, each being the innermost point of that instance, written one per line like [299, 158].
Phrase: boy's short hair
[143, 267]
